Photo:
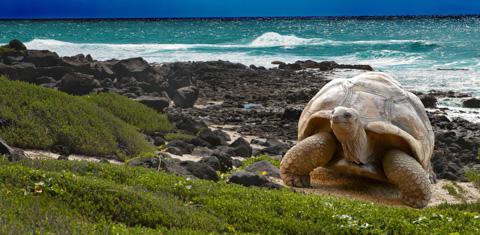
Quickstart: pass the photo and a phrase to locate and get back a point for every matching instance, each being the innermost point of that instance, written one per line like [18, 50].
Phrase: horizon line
[242, 17]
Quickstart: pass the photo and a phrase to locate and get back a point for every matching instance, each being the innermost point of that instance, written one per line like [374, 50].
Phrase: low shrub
[132, 112]
[40, 118]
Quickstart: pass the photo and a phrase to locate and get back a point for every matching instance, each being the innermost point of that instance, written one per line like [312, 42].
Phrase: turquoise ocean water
[414, 50]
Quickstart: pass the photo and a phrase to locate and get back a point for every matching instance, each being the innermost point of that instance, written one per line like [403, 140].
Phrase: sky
[230, 8]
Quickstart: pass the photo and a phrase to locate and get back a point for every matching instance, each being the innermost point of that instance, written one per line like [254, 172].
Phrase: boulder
[200, 170]
[157, 103]
[43, 58]
[9, 71]
[98, 69]
[226, 162]
[264, 167]
[202, 151]
[135, 67]
[250, 179]
[471, 103]
[429, 101]
[185, 97]
[274, 147]
[78, 84]
[182, 146]
[210, 136]
[241, 148]
[56, 72]
[25, 72]
[211, 161]
[223, 135]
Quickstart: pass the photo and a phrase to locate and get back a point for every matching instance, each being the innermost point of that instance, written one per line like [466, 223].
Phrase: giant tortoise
[368, 126]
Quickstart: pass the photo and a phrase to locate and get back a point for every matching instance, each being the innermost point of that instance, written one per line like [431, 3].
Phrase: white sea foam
[273, 39]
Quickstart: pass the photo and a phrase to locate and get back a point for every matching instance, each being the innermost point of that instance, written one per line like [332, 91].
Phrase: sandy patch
[325, 182]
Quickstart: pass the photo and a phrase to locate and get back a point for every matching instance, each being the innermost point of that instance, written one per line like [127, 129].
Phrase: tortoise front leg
[408, 175]
[310, 153]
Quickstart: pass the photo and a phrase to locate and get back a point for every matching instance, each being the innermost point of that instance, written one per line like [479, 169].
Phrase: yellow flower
[39, 187]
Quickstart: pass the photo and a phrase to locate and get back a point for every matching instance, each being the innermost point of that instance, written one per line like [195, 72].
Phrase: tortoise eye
[347, 115]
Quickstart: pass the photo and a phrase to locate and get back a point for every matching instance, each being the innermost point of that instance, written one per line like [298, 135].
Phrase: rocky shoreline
[250, 100]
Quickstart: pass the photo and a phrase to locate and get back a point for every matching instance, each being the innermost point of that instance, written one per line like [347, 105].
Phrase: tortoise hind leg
[310, 153]
[408, 175]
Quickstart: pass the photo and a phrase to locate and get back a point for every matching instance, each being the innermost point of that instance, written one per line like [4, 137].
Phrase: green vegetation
[250, 161]
[4, 49]
[106, 198]
[455, 190]
[474, 177]
[132, 112]
[41, 118]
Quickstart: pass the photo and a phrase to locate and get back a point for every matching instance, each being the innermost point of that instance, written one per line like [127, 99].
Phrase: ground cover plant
[107, 196]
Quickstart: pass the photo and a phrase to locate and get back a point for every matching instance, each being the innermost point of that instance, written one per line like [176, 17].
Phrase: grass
[41, 118]
[474, 177]
[99, 198]
[132, 112]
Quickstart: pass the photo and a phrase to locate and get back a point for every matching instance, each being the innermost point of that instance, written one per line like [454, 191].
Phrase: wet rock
[157, 103]
[241, 148]
[322, 66]
[250, 179]
[78, 84]
[264, 167]
[429, 101]
[471, 103]
[200, 170]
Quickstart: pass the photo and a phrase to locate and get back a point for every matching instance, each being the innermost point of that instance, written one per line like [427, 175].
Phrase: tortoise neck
[356, 146]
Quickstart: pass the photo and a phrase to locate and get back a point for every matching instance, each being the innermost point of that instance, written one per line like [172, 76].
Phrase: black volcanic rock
[157, 103]
[78, 84]
[241, 148]
[185, 97]
[471, 103]
[429, 101]
[43, 58]
[249, 179]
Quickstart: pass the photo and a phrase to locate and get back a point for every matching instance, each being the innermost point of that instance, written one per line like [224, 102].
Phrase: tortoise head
[344, 121]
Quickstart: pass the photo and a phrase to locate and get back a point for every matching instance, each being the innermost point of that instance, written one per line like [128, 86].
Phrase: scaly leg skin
[408, 175]
[310, 153]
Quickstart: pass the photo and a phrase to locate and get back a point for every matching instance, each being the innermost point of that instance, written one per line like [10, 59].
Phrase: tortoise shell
[385, 109]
